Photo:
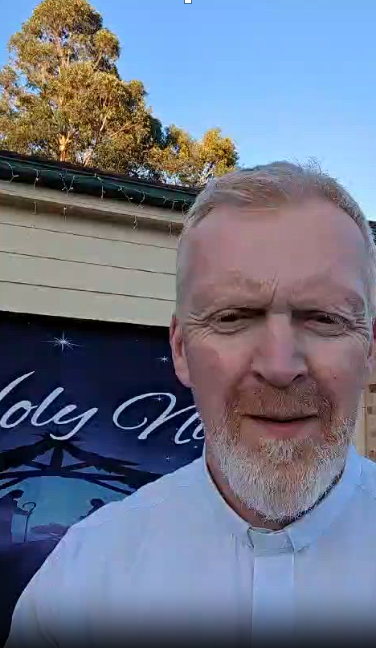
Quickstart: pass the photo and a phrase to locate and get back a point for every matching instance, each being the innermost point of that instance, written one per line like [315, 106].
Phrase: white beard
[277, 480]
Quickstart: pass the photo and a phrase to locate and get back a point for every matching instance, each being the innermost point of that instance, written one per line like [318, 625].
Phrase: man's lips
[287, 419]
[286, 428]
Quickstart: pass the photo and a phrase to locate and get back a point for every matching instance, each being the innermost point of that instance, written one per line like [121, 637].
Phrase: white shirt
[174, 556]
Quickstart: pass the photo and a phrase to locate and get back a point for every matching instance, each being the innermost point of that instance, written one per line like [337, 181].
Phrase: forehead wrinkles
[318, 290]
[205, 276]
[234, 285]
[200, 268]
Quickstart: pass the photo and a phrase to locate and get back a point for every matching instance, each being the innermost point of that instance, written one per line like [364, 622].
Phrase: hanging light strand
[69, 182]
[13, 175]
[37, 177]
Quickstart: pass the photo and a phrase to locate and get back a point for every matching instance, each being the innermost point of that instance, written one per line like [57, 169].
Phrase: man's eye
[325, 318]
[229, 318]
[327, 321]
[236, 316]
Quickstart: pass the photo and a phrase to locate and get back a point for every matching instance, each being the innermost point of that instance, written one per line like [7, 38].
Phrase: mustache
[296, 402]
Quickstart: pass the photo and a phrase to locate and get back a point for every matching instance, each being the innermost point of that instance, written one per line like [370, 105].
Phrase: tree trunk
[63, 145]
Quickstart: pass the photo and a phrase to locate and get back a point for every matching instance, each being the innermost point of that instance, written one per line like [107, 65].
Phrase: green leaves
[184, 160]
[62, 97]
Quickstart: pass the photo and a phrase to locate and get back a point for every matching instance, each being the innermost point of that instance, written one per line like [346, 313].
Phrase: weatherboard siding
[86, 268]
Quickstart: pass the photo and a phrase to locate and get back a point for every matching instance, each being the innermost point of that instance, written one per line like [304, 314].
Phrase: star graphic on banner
[159, 398]
[63, 342]
[163, 359]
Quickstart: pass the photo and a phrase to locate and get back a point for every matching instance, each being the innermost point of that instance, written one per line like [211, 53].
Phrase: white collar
[298, 534]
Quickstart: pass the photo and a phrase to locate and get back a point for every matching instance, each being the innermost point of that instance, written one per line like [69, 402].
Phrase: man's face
[273, 326]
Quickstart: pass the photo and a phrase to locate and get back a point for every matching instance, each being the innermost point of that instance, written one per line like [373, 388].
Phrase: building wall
[370, 418]
[360, 430]
[68, 263]
[79, 257]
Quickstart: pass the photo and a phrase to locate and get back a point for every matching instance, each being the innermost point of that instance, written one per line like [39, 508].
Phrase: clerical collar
[297, 535]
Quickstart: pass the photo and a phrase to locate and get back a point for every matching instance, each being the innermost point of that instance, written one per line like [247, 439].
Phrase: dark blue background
[103, 366]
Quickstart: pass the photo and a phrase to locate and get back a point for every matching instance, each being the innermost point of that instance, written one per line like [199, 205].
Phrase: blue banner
[89, 413]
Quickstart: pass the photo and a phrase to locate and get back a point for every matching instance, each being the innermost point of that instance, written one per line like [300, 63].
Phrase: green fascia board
[69, 178]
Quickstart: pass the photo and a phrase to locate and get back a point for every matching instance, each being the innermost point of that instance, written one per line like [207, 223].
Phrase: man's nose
[277, 356]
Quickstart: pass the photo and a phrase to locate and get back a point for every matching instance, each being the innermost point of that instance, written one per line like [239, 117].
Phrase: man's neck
[252, 516]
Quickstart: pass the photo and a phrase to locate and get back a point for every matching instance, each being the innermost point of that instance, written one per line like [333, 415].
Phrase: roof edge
[69, 178]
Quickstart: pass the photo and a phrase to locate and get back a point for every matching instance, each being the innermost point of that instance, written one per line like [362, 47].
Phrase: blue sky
[284, 78]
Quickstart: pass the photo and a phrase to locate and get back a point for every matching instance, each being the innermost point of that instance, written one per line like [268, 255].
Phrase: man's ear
[178, 351]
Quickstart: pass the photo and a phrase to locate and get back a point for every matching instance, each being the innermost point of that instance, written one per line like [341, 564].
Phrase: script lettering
[26, 407]
[161, 419]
